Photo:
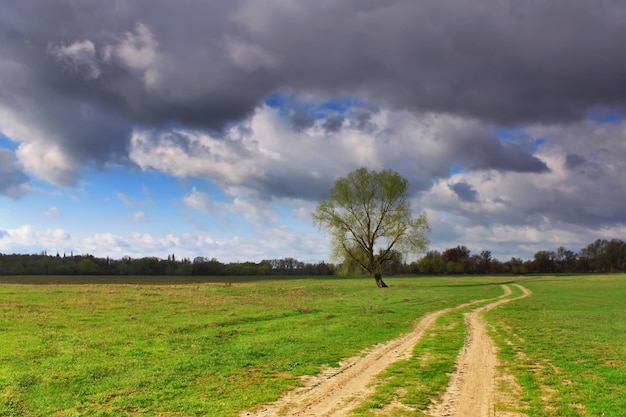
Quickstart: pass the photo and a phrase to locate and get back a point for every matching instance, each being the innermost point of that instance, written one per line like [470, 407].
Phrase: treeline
[45, 264]
[600, 256]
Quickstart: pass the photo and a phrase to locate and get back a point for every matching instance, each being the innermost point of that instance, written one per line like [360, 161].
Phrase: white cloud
[265, 154]
[25, 239]
[199, 201]
[570, 194]
[128, 201]
[227, 160]
[52, 212]
[138, 216]
[254, 212]
[248, 56]
[20, 236]
[138, 51]
[276, 243]
[302, 209]
[581, 199]
[79, 55]
[47, 161]
[36, 150]
[265, 149]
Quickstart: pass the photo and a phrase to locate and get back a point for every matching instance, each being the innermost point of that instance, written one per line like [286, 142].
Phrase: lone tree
[368, 216]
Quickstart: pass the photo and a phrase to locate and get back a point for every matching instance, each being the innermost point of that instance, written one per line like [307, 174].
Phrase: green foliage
[604, 255]
[87, 267]
[432, 263]
[368, 216]
[44, 264]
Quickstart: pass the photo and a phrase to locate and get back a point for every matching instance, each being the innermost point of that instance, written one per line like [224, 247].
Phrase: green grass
[168, 346]
[163, 346]
[566, 344]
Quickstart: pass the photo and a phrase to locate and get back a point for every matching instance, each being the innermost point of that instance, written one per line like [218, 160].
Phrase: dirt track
[472, 388]
[339, 390]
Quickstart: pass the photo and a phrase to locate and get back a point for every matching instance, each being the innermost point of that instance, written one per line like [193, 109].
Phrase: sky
[195, 128]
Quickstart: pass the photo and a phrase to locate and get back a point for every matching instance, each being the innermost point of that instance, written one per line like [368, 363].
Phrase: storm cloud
[208, 64]
[490, 98]
[465, 192]
[13, 181]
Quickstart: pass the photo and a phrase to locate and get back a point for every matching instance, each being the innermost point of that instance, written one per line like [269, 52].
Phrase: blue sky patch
[457, 170]
[341, 105]
[7, 143]
[604, 116]
[511, 134]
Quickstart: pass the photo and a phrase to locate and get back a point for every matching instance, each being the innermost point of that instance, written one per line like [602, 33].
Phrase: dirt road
[339, 390]
[472, 388]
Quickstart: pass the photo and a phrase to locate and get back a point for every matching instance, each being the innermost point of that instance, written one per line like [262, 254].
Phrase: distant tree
[604, 255]
[485, 261]
[615, 255]
[497, 267]
[349, 266]
[565, 259]
[473, 264]
[87, 267]
[148, 266]
[368, 216]
[184, 269]
[394, 264]
[432, 263]
[517, 266]
[456, 259]
[544, 261]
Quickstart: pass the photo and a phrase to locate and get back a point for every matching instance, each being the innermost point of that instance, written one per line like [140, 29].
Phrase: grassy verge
[566, 344]
[177, 348]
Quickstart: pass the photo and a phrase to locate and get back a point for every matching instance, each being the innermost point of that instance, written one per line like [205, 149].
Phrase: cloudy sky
[212, 128]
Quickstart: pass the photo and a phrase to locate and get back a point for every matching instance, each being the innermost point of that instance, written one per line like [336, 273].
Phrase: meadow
[109, 346]
[566, 344]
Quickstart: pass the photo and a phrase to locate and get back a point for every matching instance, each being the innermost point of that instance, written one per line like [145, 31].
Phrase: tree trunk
[379, 281]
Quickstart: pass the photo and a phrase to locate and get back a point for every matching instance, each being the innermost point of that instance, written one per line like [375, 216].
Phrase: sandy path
[472, 388]
[337, 391]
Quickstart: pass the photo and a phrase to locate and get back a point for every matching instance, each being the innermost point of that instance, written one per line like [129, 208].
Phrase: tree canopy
[369, 218]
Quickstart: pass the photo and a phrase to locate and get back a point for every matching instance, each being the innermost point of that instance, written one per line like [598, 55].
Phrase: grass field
[83, 346]
[567, 345]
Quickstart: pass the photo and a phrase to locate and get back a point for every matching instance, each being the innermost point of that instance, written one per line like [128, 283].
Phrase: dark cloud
[572, 161]
[497, 60]
[512, 158]
[301, 119]
[85, 75]
[295, 185]
[464, 191]
[13, 181]
[362, 120]
[501, 155]
[333, 124]
[494, 59]
[583, 166]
